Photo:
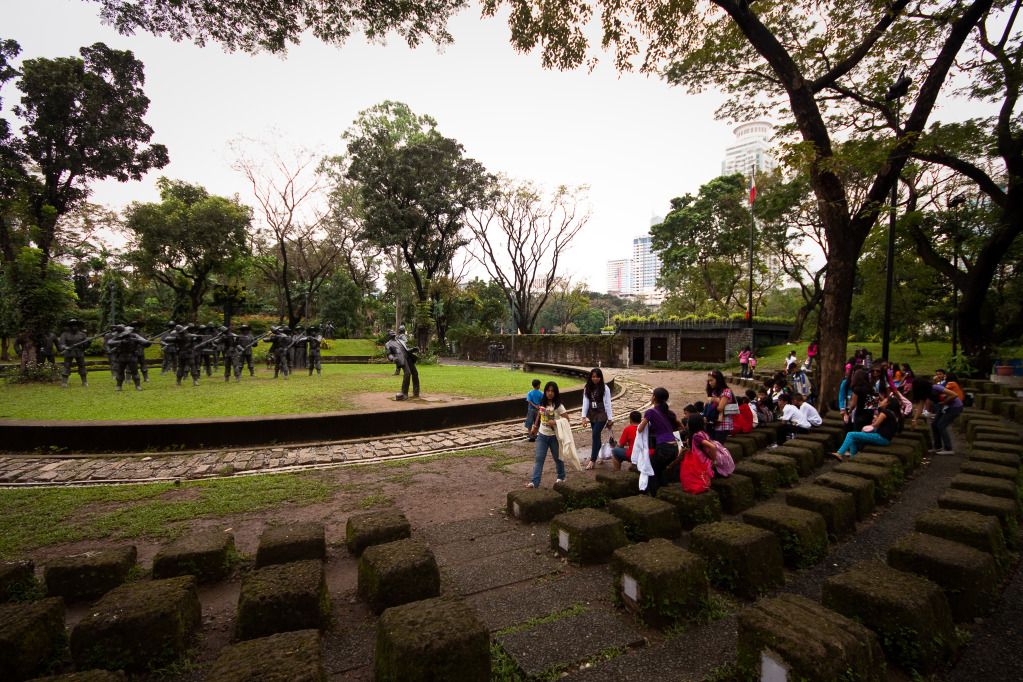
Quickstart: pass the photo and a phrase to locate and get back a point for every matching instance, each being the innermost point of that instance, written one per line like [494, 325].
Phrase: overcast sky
[634, 140]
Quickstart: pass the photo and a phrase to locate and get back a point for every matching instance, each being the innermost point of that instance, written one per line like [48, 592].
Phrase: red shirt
[627, 438]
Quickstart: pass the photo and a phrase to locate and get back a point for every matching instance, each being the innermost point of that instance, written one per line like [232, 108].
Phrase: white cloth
[566, 443]
[811, 414]
[640, 456]
[607, 403]
[791, 413]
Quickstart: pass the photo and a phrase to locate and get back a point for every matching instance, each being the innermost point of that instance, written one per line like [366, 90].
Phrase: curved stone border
[120, 436]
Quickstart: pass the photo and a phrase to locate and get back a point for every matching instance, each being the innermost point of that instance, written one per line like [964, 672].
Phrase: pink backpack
[724, 465]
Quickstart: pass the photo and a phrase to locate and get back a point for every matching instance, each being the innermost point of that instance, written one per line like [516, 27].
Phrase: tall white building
[752, 148]
[619, 276]
[646, 266]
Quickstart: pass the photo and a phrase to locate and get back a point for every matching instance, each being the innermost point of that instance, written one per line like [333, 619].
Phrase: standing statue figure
[71, 344]
[45, 343]
[184, 340]
[126, 346]
[280, 344]
[243, 348]
[206, 348]
[108, 336]
[170, 351]
[328, 330]
[404, 357]
[299, 359]
[313, 340]
[141, 352]
[226, 347]
[401, 337]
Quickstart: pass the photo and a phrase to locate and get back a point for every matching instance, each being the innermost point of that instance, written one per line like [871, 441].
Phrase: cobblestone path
[34, 469]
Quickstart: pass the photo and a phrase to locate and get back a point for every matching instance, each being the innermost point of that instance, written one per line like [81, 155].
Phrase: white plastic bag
[605, 451]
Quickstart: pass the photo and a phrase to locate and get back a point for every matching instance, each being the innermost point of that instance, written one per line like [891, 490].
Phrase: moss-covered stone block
[741, 446]
[976, 468]
[835, 434]
[1002, 437]
[533, 505]
[907, 455]
[967, 575]
[378, 527]
[204, 554]
[995, 446]
[282, 598]
[1003, 459]
[295, 541]
[17, 580]
[803, 534]
[659, 581]
[824, 438]
[619, 483]
[646, 518]
[88, 575]
[139, 626]
[31, 634]
[581, 492]
[816, 644]
[969, 528]
[737, 493]
[862, 490]
[804, 459]
[283, 657]
[884, 482]
[976, 427]
[1006, 511]
[816, 446]
[587, 536]
[986, 485]
[886, 460]
[396, 573]
[836, 506]
[95, 675]
[764, 477]
[788, 475]
[692, 510]
[741, 558]
[430, 640]
[909, 613]
[762, 437]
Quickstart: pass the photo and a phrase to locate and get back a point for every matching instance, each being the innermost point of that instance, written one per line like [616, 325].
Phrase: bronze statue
[71, 344]
[126, 346]
[405, 358]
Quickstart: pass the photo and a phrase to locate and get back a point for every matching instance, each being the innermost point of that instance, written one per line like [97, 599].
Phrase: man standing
[71, 344]
[314, 340]
[280, 344]
[404, 357]
[184, 341]
[244, 344]
[127, 346]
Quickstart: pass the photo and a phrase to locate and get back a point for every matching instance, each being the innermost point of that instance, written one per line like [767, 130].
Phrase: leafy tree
[41, 297]
[342, 302]
[186, 238]
[416, 188]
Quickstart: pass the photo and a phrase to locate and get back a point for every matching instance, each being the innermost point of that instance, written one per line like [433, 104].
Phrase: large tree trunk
[833, 324]
[4, 352]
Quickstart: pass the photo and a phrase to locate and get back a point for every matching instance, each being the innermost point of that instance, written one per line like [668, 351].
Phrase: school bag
[724, 465]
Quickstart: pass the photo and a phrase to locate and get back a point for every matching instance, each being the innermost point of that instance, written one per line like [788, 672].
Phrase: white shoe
[560, 480]
[945, 452]
[926, 415]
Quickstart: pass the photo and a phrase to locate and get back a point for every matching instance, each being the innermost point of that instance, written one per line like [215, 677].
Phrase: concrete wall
[591, 350]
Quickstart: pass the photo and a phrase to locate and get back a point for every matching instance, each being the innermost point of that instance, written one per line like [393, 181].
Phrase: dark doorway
[638, 356]
[659, 349]
[703, 350]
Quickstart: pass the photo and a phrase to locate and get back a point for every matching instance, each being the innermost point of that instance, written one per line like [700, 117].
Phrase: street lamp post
[894, 94]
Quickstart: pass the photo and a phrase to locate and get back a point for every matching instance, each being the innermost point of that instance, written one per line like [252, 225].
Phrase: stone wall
[589, 350]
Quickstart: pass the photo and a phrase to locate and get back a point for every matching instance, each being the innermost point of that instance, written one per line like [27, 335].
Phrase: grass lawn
[259, 395]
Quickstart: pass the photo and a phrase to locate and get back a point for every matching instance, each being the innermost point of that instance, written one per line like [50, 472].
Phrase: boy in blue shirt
[533, 399]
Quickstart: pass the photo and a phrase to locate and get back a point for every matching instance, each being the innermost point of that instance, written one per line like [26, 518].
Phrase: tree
[342, 302]
[416, 188]
[520, 235]
[186, 238]
[41, 297]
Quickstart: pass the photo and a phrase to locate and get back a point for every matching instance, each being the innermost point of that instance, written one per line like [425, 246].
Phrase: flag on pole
[753, 186]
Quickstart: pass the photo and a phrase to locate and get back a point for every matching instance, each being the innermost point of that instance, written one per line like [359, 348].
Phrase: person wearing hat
[71, 344]
[170, 351]
[184, 340]
[227, 346]
[313, 340]
[141, 352]
[126, 346]
[298, 349]
[280, 342]
[243, 348]
[205, 349]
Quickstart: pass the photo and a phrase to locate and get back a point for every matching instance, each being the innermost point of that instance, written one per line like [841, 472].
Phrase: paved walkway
[34, 469]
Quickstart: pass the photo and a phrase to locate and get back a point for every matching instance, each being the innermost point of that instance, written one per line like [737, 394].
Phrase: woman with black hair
[596, 410]
[720, 396]
[858, 412]
[662, 423]
[924, 391]
[546, 433]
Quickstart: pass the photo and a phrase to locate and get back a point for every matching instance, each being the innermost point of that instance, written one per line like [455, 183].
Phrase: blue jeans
[530, 417]
[542, 444]
[596, 428]
[855, 439]
[939, 427]
[620, 454]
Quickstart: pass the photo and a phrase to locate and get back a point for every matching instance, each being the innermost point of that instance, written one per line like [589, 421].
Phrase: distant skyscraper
[619, 276]
[752, 148]
[646, 266]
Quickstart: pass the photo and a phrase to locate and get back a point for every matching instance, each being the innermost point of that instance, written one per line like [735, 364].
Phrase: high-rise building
[646, 266]
[619, 276]
[752, 148]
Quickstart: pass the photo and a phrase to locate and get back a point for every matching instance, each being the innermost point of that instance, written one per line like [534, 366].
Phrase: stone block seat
[282, 657]
[885, 460]
[692, 510]
[762, 437]
[533, 505]
[967, 575]
[205, 554]
[788, 475]
[580, 492]
[31, 634]
[862, 490]
[376, 528]
[587, 536]
[907, 454]
[884, 482]
[741, 445]
[827, 440]
[994, 446]
[764, 477]
[996, 426]
[1006, 511]
[969, 528]
[986, 485]
[17, 579]
[95, 675]
[139, 626]
[992, 470]
[433, 639]
[737, 492]
[296, 541]
[836, 433]
[659, 581]
[804, 459]
[741, 558]
[619, 483]
[836, 506]
[819, 449]
[814, 643]
[1001, 437]
[909, 613]
[803, 534]
[1003, 459]
[282, 598]
[88, 575]
[396, 573]
[646, 518]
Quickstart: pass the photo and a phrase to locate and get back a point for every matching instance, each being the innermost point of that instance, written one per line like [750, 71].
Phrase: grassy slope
[258, 395]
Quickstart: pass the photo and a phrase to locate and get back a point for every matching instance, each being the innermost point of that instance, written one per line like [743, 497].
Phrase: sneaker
[559, 481]
[530, 485]
[926, 415]
[945, 452]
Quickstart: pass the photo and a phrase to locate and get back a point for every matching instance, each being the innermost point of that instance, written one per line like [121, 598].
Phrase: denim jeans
[597, 428]
[620, 454]
[542, 443]
[856, 439]
[530, 417]
[939, 427]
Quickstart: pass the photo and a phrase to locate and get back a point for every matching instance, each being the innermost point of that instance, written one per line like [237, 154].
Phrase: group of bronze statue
[187, 350]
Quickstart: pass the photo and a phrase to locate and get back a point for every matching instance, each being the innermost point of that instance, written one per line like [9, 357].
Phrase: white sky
[636, 141]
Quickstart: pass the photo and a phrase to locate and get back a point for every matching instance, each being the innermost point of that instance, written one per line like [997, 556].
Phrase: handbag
[694, 474]
[731, 409]
[723, 463]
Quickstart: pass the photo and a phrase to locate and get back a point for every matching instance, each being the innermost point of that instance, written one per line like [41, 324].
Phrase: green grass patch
[932, 355]
[37, 517]
[252, 396]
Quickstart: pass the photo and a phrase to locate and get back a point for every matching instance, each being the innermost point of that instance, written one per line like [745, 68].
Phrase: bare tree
[519, 238]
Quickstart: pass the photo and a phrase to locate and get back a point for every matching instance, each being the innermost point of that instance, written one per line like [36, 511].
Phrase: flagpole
[752, 227]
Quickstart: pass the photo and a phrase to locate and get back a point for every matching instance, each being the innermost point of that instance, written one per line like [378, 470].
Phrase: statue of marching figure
[126, 346]
[280, 343]
[405, 358]
[71, 343]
